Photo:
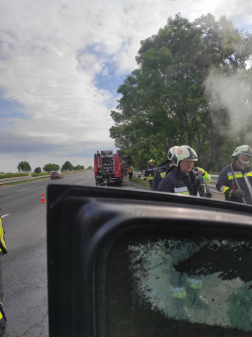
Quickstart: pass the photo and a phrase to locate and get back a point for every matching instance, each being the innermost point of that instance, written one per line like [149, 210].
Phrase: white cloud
[51, 51]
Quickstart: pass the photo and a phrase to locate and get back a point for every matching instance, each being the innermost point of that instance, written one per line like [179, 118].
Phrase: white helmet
[171, 152]
[186, 153]
[243, 149]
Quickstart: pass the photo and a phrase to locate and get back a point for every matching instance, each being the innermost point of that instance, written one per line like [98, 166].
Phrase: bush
[13, 175]
[78, 168]
[39, 174]
[51, 167]
[37, 170]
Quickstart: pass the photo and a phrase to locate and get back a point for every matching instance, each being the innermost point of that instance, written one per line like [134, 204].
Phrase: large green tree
[51, 167]
[24, 166]
[164, 102]
[67, 166]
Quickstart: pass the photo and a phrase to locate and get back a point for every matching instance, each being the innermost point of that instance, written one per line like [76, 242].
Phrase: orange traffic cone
[42, 198]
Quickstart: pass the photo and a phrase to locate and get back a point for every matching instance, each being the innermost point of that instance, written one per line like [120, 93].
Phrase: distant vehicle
[56, 175]
[111, 167]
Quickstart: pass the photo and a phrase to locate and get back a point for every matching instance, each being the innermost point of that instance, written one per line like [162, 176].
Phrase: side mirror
[131, 263]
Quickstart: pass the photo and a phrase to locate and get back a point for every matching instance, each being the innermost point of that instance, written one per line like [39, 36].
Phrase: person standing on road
[150, 171]
[235, 180]
[130, 171]
[99, 176]
[182, 178]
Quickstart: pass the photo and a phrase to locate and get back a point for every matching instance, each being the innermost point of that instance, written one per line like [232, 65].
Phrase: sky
[61, 63]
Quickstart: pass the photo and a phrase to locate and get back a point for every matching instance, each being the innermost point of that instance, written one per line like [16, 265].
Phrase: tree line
[24, 166]
[192, 86]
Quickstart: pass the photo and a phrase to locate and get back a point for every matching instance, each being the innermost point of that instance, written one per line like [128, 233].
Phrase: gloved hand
[236, 194]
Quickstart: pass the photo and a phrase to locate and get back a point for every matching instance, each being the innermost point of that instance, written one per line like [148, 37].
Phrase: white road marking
[3, 216]
[28, 188]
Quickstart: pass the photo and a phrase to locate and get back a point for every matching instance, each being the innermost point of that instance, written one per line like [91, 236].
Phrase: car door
[125, 263]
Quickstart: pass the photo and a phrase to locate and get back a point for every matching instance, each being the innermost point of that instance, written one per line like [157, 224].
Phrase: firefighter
[99, 176]
[130, 172]
[235, 180]
[182, 178]
[150, 171]
[162, 169]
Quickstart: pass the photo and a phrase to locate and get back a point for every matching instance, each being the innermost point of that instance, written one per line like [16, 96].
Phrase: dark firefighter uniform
[226, 183]
[164, 169]
[99, 176]
[3, 251]
[149, 172]
[180, 183]
[160, 174]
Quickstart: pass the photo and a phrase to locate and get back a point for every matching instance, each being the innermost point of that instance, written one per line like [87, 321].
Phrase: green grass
[142, 183]
[13, 175]
[22, 182]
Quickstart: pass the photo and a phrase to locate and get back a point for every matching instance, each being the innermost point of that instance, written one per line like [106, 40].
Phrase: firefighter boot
[194, 299]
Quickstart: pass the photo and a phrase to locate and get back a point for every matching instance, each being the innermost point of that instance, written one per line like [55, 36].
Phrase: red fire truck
[110, 165]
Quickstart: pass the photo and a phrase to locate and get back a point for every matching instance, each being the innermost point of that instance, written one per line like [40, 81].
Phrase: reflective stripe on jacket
[226, 183]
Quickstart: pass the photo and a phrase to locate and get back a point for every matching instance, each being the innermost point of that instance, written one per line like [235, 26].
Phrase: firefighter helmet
[184, 152]
[243, 149]
[151, 161]
[171, 152]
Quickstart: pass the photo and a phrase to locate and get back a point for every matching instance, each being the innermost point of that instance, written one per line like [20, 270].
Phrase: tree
[90, 167]
[37, 170]
[166, 101]
[67, 166]
[78, 167]
[24, 166]
[51, 167]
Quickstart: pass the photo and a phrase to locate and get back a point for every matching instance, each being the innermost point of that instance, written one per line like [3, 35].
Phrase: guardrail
[212, 185]
[17, 179]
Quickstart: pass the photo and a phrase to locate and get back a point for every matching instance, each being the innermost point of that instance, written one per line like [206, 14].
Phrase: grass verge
[22, 182]
[142, 183]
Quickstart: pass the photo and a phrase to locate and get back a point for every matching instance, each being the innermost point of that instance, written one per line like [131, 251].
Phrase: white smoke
[231, 93]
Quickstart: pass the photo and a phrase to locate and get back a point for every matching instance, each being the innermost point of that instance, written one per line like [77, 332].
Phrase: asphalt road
[24, 267]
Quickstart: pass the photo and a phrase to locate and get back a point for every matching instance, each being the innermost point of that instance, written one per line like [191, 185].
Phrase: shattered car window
[170, 285]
